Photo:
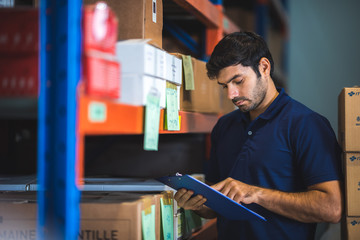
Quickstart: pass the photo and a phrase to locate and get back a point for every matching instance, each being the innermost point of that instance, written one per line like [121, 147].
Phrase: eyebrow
[234, 77]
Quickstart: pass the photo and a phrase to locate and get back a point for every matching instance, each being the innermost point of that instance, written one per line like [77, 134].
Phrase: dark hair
[245, 48]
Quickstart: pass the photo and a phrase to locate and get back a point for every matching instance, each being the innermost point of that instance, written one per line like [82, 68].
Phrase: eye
[238, 82]
[224, 86]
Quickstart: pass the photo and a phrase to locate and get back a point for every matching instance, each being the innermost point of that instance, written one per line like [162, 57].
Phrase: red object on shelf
[19, 76]
[101, 69]
[19, 30]
[100, 28]
[102, 76]
[19, 47]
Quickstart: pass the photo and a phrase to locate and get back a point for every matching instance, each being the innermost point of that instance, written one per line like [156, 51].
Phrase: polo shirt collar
[281, 100]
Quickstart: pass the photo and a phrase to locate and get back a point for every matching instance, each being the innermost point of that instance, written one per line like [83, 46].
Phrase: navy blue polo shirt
[288, 147]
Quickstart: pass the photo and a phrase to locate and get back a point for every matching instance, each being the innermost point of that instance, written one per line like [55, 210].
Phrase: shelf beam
[114, 118]
[204, 10]
[118, 118]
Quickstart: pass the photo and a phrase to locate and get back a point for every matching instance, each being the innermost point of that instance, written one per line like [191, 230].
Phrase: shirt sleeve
[317, 152]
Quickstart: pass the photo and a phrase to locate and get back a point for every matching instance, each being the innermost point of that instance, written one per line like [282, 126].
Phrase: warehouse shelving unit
[65, 113]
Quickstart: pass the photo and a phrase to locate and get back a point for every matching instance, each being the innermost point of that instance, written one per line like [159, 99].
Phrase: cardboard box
[118, 216]
[179, 222]
[138, 19]
[18, 220]
[160, 64]
[352, 183]
[206, 96]
[136, 57]
[139, 57]
[173, 69]
[352, 231]
[111, 219]
[349, 119]
[103, 216]
[135, 88]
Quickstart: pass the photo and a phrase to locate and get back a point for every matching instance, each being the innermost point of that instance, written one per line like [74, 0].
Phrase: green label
[172, 111]
[148, 224]
[97, 112]
[167, 220]
[188, 73]
[152, 121]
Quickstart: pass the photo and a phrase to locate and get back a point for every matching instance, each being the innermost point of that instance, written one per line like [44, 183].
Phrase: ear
[264, 66]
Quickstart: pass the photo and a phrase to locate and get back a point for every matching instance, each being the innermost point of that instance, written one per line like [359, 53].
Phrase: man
[273, 153]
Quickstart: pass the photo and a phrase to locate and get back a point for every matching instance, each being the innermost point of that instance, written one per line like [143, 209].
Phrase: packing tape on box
[168, 198]
[147, 202]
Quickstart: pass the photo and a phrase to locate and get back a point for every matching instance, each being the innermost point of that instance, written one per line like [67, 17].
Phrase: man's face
[244, 87]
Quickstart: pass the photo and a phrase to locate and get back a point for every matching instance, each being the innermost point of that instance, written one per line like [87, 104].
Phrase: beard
[257, 96]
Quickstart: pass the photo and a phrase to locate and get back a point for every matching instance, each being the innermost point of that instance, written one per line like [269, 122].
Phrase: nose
[232, 91]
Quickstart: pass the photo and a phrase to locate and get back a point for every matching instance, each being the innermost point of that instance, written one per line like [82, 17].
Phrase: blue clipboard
[217, 201]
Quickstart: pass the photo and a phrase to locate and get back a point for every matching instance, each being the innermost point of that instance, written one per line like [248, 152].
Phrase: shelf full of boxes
[118, 75]
[349, 138]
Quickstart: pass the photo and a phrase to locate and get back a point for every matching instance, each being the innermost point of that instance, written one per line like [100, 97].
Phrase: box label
[172, 112]
[188, 73]
[152, 120]
[100, 234]
[154, 11]
[167, 219]
[352, 93]
[97, 112]
[148, 223]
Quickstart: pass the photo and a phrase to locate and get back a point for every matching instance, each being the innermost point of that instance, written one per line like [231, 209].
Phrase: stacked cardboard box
[138, 19]
[145, 67]
[104, 215]
[205, 96]
[19, 48]
[349, 138]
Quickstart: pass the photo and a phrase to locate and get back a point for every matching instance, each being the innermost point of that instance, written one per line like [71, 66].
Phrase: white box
[136, 57]
[173, 69]
[160, 63]
[135, 87]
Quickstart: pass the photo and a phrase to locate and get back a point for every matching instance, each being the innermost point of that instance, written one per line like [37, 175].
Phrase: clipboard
[217, 201]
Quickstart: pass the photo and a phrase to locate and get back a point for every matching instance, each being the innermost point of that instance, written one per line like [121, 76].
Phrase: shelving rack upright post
[60, 54]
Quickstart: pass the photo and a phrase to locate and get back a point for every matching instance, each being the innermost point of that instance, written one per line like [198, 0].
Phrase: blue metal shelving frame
[182, 36]
[60, 56]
